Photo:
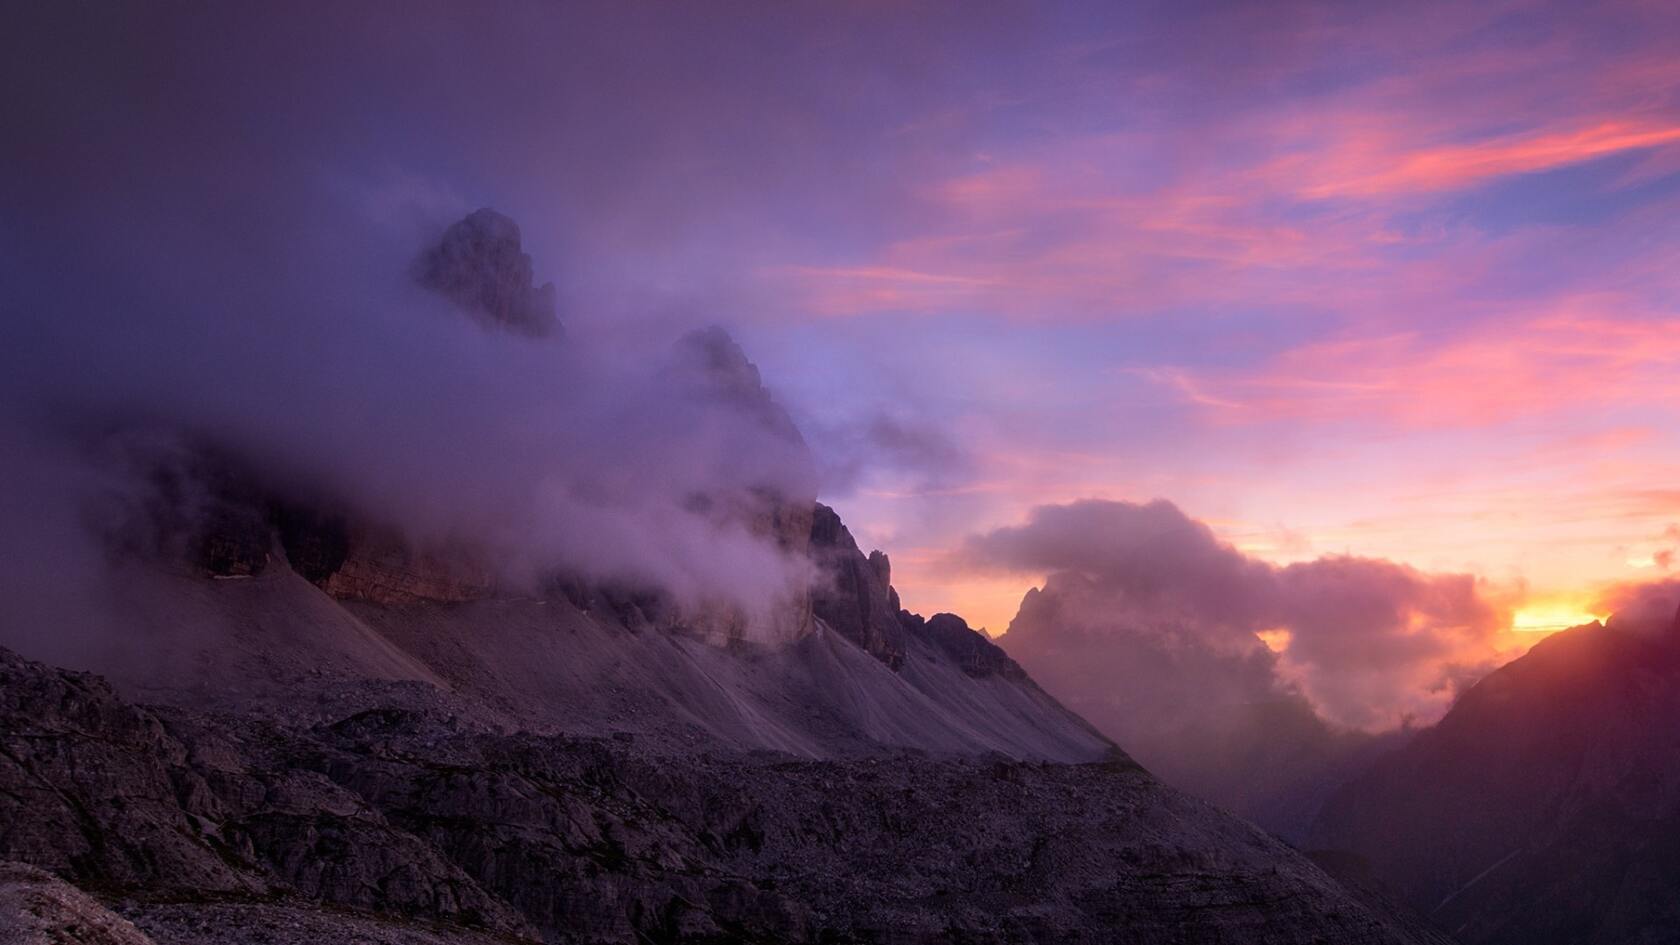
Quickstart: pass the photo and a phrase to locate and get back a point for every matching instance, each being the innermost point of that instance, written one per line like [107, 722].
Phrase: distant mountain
[1545, 807]
[1209, 719]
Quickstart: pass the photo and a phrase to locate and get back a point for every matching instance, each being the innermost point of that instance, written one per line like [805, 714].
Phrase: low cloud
[1370, 643]
[1648, 606]
[887, 450]
[293, 329]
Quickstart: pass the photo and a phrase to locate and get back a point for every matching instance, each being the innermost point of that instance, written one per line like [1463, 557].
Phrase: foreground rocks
[396, 824]
[37, 908]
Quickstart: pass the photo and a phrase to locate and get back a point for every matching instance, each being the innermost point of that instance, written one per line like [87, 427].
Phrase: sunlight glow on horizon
[1550, 617]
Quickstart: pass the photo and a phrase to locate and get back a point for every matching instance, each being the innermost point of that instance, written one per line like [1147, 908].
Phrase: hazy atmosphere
[1266, 380]
[1386, 284]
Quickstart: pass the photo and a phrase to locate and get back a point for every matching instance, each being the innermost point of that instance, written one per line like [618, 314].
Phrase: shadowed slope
[1543, 807]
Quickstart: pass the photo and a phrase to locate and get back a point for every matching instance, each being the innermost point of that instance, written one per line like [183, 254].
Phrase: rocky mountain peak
[882, 566]
[480, 265]
[718, 368]
[851, 594]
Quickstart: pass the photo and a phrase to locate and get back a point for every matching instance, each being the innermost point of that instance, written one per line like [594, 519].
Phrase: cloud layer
[224, 251]
[1369, 642]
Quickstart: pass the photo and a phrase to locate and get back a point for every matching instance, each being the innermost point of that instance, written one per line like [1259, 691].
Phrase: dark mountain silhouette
[1545, 807]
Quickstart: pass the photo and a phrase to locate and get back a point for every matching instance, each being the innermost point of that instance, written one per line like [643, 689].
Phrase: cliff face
[852, 594]
[711, 368]
[407, 823]
[1545, 806]
[212, 513]
[383, 568]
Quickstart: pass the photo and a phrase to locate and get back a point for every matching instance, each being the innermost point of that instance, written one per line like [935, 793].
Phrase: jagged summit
[720, 369]
[480, 265]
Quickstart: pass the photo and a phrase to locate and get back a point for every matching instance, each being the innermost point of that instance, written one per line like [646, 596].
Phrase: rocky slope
[294, 758]
[411, 824]
[317, 763]
[574, 657]
[1545, 807]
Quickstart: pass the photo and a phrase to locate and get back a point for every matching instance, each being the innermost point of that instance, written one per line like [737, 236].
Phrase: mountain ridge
[1539, 808]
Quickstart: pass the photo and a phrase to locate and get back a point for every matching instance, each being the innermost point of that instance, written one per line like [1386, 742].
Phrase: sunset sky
[1394, 281]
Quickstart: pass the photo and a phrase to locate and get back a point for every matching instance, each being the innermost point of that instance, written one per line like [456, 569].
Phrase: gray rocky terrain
[410, 824]
[307, 730]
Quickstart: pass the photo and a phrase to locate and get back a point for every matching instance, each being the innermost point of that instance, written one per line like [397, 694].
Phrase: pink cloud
[1584, 354]
[1235, 209]
[1370, 642]
[1376, 171]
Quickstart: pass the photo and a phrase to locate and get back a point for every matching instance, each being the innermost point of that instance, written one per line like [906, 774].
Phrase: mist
[222, 254]
[1257, 685]
[1370, 643]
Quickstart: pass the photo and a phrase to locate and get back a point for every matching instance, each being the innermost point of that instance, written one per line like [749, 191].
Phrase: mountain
[1545, 806]
[316, 731]
[681, 705]
[235, 623]
[1208, 716]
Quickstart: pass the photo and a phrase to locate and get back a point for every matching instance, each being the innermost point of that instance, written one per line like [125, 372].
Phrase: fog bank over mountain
[1258, 686]
[413, 374]
[231, 252]
[1368, 642]
[364, 390]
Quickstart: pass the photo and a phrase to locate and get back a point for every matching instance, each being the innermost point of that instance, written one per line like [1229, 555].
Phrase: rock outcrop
[851, 593]
[973, 653]
[38, 908]
[854, 596]
[710, 368]
[382, 567]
